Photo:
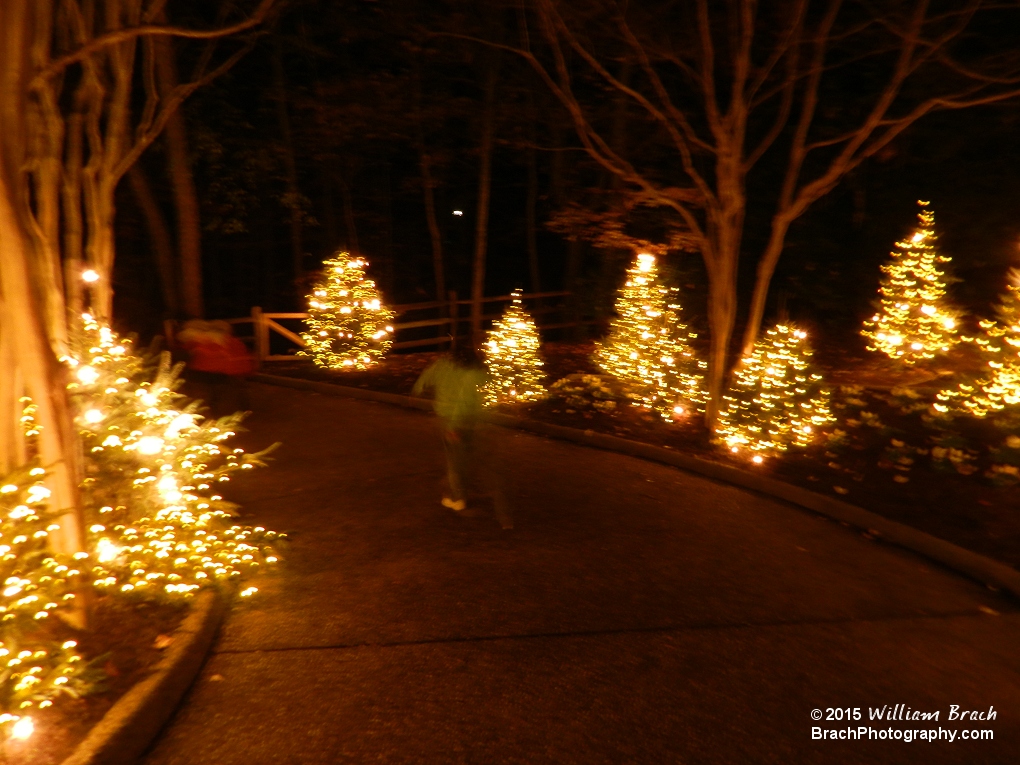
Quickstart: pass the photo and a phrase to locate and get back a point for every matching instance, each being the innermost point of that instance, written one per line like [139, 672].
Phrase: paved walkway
[635, 614]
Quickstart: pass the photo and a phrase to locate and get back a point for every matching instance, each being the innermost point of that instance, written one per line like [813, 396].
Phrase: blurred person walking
[456, 380]
[218, 364]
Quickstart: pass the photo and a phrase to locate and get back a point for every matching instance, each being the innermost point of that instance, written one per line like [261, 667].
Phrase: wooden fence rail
[448, 322]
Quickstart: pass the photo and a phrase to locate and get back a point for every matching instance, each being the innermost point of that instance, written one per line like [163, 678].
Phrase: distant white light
[458, 213]
[23, 728]
[89, 276]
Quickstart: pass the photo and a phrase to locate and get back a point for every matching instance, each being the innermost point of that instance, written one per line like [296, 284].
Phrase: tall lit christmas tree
[914, 321]
[648, 347]
[349, 327]
[775, 400]
[512, 357]
[998, 388]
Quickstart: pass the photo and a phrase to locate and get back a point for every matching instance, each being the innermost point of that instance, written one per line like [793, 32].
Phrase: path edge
[131, 725]
[992, 573]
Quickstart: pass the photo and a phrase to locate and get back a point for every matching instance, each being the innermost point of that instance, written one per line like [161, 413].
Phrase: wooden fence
[447, 318]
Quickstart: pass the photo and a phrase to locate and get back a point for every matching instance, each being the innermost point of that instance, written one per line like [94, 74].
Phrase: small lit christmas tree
[512, 358]
[914, 321]
[775, 400]
[349, 327]
[999, 387]
[648, 348]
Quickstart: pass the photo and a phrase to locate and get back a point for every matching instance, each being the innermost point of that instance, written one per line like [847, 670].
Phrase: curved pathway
[635, 614]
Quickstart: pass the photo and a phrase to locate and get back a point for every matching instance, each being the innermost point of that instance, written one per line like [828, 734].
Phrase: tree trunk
[23, 318]
[182, 182]
[484, 191]
[349, 222]
[429, 194]
[763, 278]
[531, 224]
[293, 199]
[74, 230]
[159, 238]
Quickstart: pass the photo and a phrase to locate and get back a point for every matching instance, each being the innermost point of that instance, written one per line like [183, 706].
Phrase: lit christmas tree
[348, 325]
[775, 400]
[157, 528]
[914, 321]
[512, 358]
[999, 387]
[648, 348]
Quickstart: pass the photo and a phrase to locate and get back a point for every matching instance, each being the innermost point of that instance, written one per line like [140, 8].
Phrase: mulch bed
[129, 639]
[967, 510]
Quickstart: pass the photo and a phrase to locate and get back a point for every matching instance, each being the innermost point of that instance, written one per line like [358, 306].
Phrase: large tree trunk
[182, 181]
[484, 192]
[23, 317]
[159, 238]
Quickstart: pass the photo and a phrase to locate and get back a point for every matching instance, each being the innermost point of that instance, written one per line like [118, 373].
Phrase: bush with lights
[580, 392]
[648, 348]
[159, 526]
[775, 400]
[998, 388]
[349, 327]
[156, 526]
[512, 357]
[914, 321]
[38, 586]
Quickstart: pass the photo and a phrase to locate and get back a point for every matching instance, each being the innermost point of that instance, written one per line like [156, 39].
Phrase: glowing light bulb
[88, 375]
[150, 445]
[23, 728]
[89, 276]
[757, 459]
[93, 416]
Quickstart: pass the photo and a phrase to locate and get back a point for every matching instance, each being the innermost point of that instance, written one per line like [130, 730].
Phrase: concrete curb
[134, 721]
[996, 575]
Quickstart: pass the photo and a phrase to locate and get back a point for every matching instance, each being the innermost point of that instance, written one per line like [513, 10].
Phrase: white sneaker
[454, 504]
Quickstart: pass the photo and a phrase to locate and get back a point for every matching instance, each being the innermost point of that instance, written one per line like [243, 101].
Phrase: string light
[914, 321]
[348, 327]
[89, 276]
[648, 348]
[775, 400]
[512, 357]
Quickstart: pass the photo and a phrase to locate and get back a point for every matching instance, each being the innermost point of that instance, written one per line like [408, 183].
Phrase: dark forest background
[315, 140]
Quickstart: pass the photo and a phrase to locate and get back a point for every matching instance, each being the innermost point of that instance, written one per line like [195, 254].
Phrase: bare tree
[67, 71]
[817, 86]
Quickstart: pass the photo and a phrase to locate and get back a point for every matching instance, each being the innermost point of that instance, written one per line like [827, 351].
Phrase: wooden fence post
[261, 334]
[454, 316]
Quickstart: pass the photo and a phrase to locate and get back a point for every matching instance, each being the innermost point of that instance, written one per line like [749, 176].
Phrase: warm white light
[757, 459]
[23, 728]
[89, 276]
[88, 375]
[150, 445]
[458, 213]
[93, 416]
[645, 261]
[106, 551]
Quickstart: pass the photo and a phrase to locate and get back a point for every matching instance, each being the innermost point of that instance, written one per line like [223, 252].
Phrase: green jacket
[458, 391]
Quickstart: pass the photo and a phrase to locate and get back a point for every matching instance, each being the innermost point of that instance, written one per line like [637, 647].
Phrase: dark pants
[471, 470]
[224, 394]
